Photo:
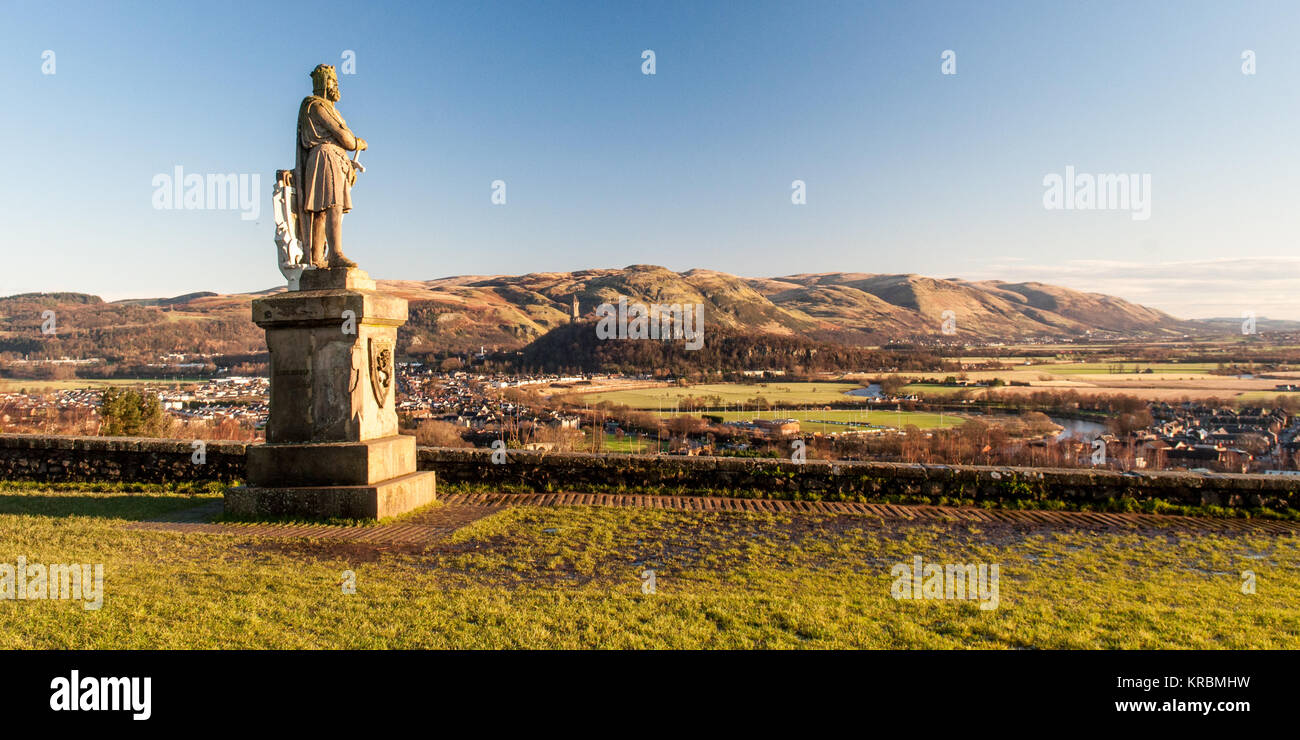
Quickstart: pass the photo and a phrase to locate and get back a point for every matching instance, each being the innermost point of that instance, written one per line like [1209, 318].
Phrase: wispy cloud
[1269, 286]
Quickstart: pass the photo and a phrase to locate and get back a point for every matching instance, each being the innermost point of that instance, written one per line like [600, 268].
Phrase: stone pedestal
[332, 447]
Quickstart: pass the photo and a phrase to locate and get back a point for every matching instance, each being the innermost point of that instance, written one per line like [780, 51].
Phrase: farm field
[934, 389]
[13, 385]
[730, 393]
[848, 419]
[1168, 382]
[1266, 396]
[663, 400]
[1126, 368]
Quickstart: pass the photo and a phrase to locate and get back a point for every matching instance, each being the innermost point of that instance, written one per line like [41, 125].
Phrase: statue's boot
[318, 257]
[338, 259]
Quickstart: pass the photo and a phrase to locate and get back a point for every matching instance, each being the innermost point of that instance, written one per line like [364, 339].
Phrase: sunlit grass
[570, 577]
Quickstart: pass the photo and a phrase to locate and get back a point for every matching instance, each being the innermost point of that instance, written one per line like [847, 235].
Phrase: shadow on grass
[100, 505]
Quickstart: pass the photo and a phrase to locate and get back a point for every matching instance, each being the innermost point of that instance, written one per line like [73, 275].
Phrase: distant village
[1202, 438]
[486, 406]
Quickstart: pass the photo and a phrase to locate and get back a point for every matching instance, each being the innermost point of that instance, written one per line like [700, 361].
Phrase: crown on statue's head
[322, 75]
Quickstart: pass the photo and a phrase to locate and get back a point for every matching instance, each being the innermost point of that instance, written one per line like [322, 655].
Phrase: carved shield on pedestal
[381, 368]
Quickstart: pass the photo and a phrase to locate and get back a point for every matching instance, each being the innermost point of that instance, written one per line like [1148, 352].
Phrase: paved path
[458, 510]
[1083, 519]
[422, 529]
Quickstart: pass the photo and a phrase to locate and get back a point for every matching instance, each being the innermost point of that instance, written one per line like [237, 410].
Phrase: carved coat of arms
[381, 368]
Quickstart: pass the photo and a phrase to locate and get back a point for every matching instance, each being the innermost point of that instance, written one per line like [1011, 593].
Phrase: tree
[435, 433]
[686, 425]
[128, 413]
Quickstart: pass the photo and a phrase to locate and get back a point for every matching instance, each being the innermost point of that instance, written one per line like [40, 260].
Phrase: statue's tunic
[325, 174]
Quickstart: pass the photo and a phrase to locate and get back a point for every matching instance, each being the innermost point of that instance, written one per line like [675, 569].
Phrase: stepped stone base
[331, 464]
[374, 501]
[332, 444]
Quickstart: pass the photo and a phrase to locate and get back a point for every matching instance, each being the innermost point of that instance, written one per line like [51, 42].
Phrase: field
[11, 385]
[1130, 368]
[934, 389]
[803, 394]
[628, 444]
[662, 401]
[1167, 381]
[1266, 396]
[848, 419]
[572, 577]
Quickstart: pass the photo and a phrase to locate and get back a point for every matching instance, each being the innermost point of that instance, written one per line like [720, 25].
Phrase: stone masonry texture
[42, 458]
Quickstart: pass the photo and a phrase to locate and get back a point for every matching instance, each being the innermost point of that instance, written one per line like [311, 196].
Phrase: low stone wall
[40, 458]
[117, 459]
[853, 481]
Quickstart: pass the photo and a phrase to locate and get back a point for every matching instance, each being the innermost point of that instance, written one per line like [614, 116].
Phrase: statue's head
[325, 83]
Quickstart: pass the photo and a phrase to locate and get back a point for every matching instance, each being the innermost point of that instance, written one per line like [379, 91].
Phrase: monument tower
[332, 443]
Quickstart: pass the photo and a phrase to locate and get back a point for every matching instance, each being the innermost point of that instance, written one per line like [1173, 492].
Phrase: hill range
[505, 312]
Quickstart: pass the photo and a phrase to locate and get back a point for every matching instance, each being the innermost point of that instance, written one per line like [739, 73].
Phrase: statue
[333, 447]
[323, 175]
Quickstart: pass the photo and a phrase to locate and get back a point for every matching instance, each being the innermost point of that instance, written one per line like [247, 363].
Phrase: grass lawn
[629, 444]
[569, 577]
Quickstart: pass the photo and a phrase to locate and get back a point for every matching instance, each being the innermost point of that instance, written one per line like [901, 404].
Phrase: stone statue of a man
[322, 170]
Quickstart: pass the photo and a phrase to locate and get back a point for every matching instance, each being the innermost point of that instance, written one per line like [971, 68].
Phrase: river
[1078, 428]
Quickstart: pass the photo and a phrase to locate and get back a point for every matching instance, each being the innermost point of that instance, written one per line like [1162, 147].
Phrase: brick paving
[1073, 519]
[422, 529]
[459, 510]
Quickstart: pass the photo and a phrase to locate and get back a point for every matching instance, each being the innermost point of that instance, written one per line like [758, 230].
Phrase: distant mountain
[852, 308]
[510, 311]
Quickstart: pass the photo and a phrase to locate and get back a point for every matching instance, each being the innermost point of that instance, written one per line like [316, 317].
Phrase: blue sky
[907, 169]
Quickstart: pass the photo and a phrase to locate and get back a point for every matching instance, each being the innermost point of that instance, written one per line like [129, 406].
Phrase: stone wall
[117, 459]
[34, 457]
[855, 481]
